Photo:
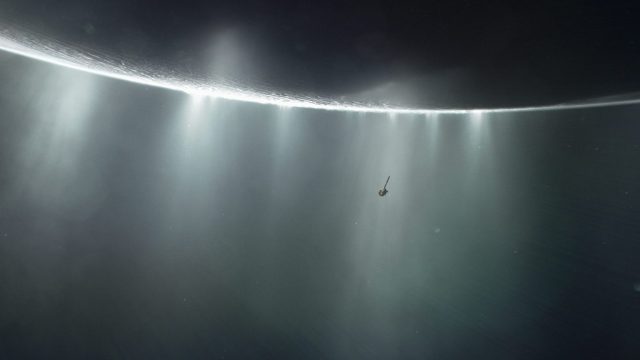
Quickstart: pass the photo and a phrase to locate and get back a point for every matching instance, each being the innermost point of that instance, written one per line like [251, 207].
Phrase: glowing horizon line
[59, 57]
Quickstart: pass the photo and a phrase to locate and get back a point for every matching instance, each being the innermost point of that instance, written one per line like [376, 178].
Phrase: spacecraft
[384, 191]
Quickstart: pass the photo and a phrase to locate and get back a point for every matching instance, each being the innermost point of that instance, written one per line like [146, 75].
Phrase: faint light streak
[54, 53]
[194, 138]
[187, 154]
[193, 112]
[433, 132]
[476, 115]
[55, 170]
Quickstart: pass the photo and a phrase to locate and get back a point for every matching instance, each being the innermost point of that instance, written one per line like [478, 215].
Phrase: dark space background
[456, 54]
[137, 222]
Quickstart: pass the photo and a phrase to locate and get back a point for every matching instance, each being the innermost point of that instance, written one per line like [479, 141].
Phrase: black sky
[431, 53]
